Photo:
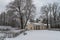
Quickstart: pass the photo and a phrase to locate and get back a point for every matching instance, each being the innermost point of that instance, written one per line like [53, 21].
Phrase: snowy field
[38, 35]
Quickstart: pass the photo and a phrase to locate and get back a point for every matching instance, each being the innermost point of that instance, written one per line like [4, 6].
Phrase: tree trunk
[21, 15]
[47, 20]
[21, 20]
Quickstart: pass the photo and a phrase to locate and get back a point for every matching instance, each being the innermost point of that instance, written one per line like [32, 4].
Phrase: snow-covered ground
[38, 35]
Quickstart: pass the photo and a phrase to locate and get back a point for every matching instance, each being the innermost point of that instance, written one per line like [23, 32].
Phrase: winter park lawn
[38, 35]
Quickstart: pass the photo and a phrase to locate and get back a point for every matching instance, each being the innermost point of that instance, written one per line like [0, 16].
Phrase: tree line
[17, 14]
[52, 15]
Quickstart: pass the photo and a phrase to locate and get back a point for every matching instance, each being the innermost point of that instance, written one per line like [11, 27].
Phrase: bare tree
[45, 10]
[23, 8]
[30, 10]
[2, 18]
[52, 10]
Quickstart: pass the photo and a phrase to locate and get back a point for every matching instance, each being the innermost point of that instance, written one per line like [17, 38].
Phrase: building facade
[36, 26]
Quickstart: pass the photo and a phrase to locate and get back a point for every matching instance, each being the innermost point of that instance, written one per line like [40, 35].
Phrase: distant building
[37, 26]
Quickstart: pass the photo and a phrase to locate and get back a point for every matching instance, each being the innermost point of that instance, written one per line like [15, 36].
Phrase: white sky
[3, 4]
[38, 3]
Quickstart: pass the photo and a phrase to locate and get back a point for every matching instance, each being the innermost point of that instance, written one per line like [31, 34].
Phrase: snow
[5, 27]
[2, 34]
[38, 35]
[15, 31]
[36, 23]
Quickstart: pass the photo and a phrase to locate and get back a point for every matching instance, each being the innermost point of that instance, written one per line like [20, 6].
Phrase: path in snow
[38, 35]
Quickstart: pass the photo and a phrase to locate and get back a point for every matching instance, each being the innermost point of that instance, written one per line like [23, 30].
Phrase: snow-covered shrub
[5, 29]
[10, 35]
[2, 37]
[15, 34]
[25, 33]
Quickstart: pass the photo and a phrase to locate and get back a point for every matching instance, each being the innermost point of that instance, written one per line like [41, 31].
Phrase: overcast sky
[3, 4]
[38, 3]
